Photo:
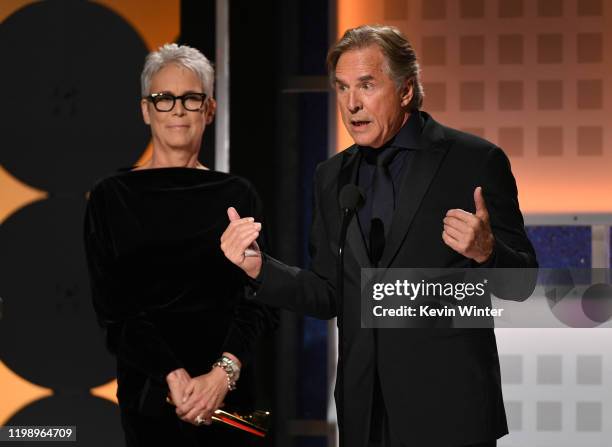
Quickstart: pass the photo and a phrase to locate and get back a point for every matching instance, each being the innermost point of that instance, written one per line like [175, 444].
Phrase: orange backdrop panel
[157, 23]
[537, 83]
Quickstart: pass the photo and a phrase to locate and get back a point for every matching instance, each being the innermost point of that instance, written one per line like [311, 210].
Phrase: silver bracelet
[231, 369]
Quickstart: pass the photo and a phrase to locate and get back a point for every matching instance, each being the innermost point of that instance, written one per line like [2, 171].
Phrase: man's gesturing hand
[470, 234]
[239, 245]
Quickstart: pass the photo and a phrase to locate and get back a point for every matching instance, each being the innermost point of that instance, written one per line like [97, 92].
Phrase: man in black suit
[435, 197]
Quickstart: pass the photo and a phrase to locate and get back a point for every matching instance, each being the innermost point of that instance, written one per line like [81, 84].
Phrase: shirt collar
[410, 133]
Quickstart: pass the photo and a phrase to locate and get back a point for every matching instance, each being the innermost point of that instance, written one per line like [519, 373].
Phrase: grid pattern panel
[532, 76]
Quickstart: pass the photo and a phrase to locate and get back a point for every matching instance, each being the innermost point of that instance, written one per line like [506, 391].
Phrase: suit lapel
[422, 170]
[348, 174]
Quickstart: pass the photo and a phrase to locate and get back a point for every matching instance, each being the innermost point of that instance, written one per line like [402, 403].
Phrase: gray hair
[183, 56]
[400, 57]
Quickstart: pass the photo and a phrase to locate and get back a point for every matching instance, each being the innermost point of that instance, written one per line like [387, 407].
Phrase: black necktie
[383, 203]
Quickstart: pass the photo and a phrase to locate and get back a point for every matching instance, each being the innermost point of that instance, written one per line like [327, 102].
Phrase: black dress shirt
[407, 140]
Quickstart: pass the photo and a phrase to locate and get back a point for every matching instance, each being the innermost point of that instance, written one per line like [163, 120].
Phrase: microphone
[351, 197]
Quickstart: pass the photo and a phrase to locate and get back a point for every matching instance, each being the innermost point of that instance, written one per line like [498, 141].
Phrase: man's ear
[406, 93]
[211, 108]
[144, 107]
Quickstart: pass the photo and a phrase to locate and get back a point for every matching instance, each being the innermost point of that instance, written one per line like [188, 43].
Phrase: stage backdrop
[531, 76]
[71, 90]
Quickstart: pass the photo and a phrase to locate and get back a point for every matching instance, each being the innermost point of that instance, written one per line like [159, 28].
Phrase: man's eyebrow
[366, 78]
[363, 78]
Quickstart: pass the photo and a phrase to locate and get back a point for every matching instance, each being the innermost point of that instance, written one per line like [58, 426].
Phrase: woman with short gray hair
[170, 302]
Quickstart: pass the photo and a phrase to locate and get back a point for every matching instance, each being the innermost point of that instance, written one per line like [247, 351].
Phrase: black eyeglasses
[164, 102]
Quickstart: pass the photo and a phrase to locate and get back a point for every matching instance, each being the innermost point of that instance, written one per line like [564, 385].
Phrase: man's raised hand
[470, 234]
[239, 242]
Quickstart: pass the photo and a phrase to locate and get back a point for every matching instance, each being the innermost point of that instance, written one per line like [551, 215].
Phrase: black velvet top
[161, 286]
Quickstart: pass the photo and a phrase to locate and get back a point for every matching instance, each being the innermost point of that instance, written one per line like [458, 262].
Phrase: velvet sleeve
[250, 317]
[131, 334]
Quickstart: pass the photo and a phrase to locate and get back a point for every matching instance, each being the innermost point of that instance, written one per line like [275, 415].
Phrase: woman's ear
[211, 108]
[144, 107]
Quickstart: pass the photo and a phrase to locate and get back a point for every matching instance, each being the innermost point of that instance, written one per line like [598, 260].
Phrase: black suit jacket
[441, 387]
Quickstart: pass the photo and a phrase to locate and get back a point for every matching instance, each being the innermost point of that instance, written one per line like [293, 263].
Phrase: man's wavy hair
[400, 57]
